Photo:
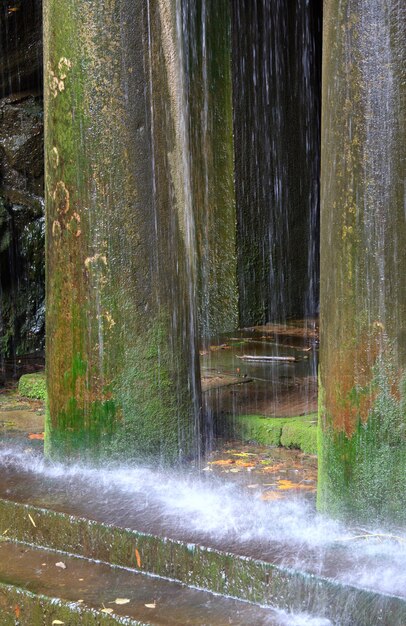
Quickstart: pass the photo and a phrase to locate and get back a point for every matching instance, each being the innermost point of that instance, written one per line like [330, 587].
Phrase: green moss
[363, 475]
[118, 345]
[292, 432]
[300, 432]
[39, 610]
[33, 386]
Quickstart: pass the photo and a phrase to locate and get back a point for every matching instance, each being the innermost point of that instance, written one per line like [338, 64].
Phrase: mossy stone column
[362, 447]
[208, 76]
[122, 370]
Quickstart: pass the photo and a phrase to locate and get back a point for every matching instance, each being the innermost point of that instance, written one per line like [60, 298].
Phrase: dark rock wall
[21, 183]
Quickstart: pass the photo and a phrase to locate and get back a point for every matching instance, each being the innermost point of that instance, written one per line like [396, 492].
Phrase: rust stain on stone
[61, 197]
[350, 392]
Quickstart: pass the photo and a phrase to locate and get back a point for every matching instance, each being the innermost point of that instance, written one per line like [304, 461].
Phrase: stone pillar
[122, 366]
[207, 25]
[362, 462]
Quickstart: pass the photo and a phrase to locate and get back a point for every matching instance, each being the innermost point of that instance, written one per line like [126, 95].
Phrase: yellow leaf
[286, 484]
[32, 521]
[244, 464]
[138, 558]
[57, 621]
[121, 601]
[108, 611]
[151, 606]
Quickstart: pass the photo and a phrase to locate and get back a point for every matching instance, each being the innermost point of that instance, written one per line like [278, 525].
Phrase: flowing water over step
[118, 591]
[308, 551]
[242, 524]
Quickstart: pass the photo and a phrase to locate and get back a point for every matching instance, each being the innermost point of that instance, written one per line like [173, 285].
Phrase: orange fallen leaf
[17, 611]
[222, 462]
[272, 468]
[39, 436]
[271, 495]
[244, 464]
[138, 557]
[288, 484]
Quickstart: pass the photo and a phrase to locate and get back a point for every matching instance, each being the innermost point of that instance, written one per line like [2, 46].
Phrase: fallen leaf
[271, 495]
[222, 462]
[288, 484]
[272, 468]
[17, 611]
[80, 601]
[60, 564]
[151, 606]
[57, 621]
[244, 455]
[108, 611]
[32, 521]
[244, 464]
[121, 601]
[39, 436]
[138, 557]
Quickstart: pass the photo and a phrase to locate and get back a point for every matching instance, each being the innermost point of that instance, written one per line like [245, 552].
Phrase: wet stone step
[40, 586]
[292, 591]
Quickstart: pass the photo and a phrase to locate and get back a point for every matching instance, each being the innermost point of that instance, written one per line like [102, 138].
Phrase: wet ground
[20, 417]
[252, 501]
[268, 472]
[118, 591]
[267, 370]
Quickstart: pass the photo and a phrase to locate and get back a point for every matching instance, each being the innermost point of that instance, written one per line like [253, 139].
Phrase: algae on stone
[33, 386]
[291, 432]
[362, 445]
[122, 363]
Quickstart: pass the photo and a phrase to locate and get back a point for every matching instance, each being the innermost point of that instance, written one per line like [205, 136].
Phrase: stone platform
[241, 525]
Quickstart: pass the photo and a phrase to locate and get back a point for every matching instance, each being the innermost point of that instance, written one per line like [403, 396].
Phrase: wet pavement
[267, 370]
[113, 590]
[252, 501]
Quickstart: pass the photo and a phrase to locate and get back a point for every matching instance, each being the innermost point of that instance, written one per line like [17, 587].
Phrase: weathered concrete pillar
[207, 28]
[363, 260]
[122, 369]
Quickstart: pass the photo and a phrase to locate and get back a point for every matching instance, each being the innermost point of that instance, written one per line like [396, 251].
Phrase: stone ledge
[224, 573]
[19, 606]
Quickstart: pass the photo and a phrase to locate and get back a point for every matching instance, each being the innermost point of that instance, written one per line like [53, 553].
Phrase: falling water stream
[239, 132]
